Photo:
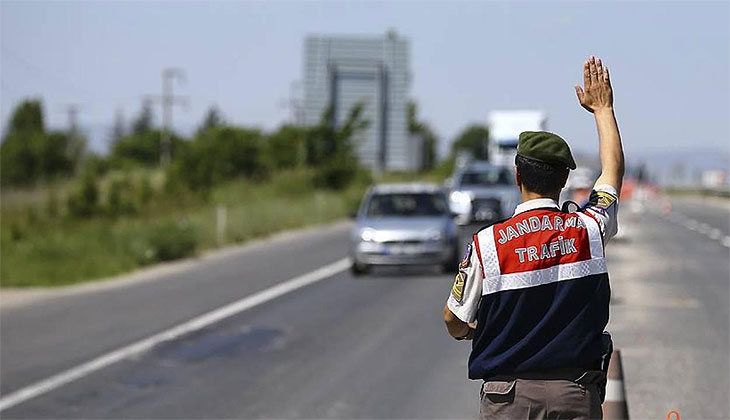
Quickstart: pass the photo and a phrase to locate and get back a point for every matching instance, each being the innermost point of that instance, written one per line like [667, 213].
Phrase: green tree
[423, 131]
[333, 148]
[29, 154]
[327, 140]
[143, 148]
[142, 124]
[286, 147]
[212, 119]
[219, 154]
[475, 140]
[27, 117]
[118, 131]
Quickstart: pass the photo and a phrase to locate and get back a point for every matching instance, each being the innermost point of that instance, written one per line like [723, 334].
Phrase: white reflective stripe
[594, 235]
[488, 252]
[553, 274]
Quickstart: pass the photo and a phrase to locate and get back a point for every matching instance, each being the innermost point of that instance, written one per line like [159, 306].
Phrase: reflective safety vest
[545, 294]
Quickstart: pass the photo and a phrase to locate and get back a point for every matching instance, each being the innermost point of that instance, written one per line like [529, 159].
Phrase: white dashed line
[691, 225]
[695, 226]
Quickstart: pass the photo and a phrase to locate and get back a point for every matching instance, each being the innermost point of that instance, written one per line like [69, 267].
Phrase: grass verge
[37, 249]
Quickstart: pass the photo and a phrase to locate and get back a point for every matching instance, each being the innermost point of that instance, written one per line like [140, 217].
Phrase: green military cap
[545, 147]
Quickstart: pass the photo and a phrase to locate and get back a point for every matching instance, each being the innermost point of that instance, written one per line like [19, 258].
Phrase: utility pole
[75, 147]
[296, 102]
[168, 99]
[72, 110]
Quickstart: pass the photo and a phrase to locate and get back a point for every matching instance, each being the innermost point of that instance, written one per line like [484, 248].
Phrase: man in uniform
[533, 292]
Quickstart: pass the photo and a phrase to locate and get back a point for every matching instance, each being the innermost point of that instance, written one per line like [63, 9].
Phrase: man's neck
[529, 195]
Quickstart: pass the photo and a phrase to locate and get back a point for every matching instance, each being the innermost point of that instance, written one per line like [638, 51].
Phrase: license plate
[403, 249]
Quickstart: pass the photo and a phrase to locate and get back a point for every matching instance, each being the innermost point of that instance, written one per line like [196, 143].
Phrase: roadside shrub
[293, 183]
[445, 168]
[286, 148]
[84, 202]
[336, 174]
[145, 190]
[96, 165]
[217, 155]
[170, 241]
[52, 204]
[16, 232]
[120, 198]
[143, 148]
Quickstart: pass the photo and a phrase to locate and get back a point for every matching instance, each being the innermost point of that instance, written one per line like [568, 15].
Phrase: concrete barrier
[614, 405]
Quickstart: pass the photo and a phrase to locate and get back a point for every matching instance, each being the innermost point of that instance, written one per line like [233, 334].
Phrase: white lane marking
[691, 224]
[197, 323]
[704, 228]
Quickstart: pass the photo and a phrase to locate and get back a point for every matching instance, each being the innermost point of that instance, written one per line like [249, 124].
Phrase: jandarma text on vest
[536, 224]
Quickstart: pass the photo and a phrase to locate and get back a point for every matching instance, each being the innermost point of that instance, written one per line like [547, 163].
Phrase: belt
[567, 374]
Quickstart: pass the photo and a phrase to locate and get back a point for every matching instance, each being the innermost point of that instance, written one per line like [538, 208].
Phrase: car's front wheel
[452, 264]
[358, 269]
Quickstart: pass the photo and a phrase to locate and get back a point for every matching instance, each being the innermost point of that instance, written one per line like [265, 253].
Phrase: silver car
[481, 192]
[403, 224]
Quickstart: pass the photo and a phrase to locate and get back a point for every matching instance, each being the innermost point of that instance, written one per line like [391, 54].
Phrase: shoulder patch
[466, 261]
[457, 290]
[602, 199]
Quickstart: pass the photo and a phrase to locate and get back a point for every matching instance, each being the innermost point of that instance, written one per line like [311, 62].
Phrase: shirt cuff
[606, 188]
[459, 310]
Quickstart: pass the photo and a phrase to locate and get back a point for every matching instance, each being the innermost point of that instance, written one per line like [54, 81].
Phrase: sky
[670, 61]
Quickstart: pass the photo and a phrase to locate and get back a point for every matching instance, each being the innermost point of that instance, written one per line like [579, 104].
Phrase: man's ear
[517, 178]
[565, 178]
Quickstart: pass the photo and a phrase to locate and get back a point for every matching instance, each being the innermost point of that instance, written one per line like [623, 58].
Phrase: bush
[145, 190]
[96, 165]
[169, 241]
[293, 183]
[30, 156]
[219, 154]
[336, 174]
[286, 148]
[120, 199]
[143, 148]
[84, 202]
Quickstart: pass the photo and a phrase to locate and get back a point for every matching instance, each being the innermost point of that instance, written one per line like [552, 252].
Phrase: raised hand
[597, 93]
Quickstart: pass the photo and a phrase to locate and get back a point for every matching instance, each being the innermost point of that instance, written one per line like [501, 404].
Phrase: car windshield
[407, 205]
[496, 176]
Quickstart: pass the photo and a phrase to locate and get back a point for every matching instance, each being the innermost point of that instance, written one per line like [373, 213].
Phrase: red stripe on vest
[540, 239]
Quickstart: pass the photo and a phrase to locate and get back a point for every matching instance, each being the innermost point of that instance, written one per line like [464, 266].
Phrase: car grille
[486, 209]
[405, 242]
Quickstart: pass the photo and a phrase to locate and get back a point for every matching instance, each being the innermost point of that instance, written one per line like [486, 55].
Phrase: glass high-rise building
[344, 70]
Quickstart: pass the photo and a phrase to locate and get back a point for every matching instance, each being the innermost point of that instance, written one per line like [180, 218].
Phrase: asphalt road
[670, 280]
[372, 347]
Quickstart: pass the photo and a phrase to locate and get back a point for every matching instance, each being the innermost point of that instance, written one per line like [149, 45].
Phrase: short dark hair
[540, 177]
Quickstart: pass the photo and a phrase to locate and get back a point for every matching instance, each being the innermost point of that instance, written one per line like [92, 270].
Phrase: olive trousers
[521, 398]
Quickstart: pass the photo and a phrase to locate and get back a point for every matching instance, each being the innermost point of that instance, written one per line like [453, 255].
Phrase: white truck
[505, 128]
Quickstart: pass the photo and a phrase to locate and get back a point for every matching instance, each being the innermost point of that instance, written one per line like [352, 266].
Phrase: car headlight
[460, 197]
[460, 202]
[367, 234]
